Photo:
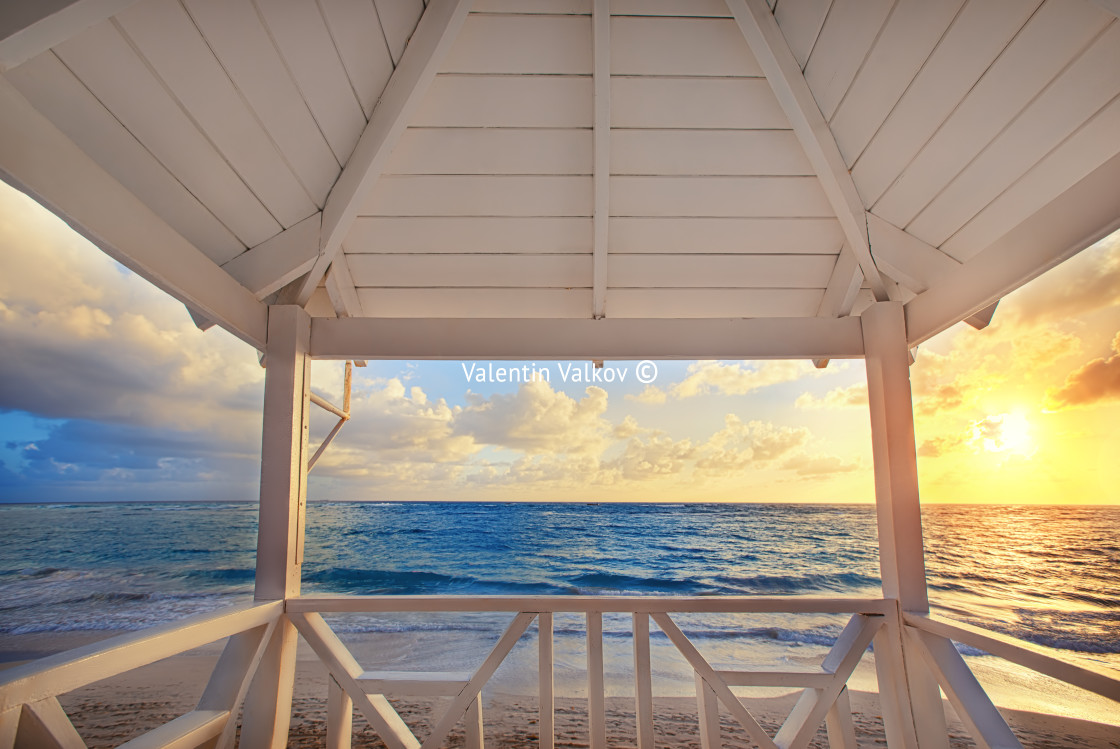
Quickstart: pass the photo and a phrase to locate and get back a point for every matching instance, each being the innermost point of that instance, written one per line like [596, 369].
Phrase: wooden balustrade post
[280, 532]
[912, 706]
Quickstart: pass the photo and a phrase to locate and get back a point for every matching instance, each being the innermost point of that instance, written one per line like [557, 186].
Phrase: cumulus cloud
[734, 378]
[1083, 284]
[1095, 381]
[537, 419]
[817, 466]
[740, 444]
[855, 395]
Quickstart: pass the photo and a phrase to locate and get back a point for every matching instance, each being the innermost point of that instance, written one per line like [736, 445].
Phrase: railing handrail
[1071, 669]
[584, 604]
[63, 672]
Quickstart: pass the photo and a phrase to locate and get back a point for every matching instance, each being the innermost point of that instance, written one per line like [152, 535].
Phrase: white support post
[901, 554]
[280, 530]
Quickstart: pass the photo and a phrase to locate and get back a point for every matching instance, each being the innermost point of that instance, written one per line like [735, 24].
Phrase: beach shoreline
[110, 712]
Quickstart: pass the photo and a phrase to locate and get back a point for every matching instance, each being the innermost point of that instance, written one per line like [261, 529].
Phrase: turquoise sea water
[1050, 575]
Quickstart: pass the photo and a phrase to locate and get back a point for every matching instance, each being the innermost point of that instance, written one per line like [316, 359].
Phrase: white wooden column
[280, 532]
[917, 714]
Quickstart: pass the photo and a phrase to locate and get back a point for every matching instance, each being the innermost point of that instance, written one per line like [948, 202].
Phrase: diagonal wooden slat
[45, 725]
[426, 48]
[232, 675]
[460, 704]
[769, 46]
[345, 670]
[714, 680]
[841, 730]
[814, 704]
[973, 706]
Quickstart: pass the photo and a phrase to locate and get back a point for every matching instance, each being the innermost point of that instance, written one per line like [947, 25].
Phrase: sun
[1008, 434]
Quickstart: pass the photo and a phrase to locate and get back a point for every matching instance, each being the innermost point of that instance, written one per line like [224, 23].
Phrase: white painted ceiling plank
[477, 270]
[842, 46]
[708, 152]
[434, 35]
[279, 260]
[680, 46]
[31, 28]
[579, 7]
[602, 40]
[457, 234]
[492, 151]
[356, 30]
[715, 271]
[170, 42]
[105, 62]
[242, 44]
[468, 195]
[53, 90]
[1054, 36]
[506, 101]
[38, 158]
[719, 103]
[801, 22]
[725, 235]
[569, 303]
[697, 303]
[905, 258]
[522, 44]
[1082, 90]
[792, 197]
[906, 42]
[340, 288]
[975, 40]
[689, 8]
[398, 20]
[585, 340]
[301, 36]
[1063, 227]
[785, 77]
[1093, 143]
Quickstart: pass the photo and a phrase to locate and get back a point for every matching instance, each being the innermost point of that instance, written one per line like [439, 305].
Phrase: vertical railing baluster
[596, 697]
[643, 681]
[707, 708]
[340, 716]
[547, 707]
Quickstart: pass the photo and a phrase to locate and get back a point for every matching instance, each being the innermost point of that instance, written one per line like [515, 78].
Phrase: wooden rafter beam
[434, 34]
[543, 339]
[905, 258]
[279, 260]
[769, 46]
[30, 27]
[601, 33]
[37, 158]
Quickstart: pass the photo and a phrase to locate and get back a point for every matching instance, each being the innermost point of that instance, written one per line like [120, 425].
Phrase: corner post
[280, 529]
[911, 697]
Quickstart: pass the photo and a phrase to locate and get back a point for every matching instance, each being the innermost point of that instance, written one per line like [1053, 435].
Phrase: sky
[108, 392]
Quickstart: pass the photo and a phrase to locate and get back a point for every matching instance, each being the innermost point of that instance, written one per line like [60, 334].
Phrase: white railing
[824, 699]
[31, 715]
[933, 637]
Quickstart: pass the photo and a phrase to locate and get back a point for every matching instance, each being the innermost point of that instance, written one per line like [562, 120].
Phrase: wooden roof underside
[756, 174]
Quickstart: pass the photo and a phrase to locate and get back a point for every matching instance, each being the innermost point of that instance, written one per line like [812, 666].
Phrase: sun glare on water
[1009, 434]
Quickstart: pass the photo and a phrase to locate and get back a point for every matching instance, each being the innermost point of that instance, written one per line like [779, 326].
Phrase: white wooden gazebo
[566, 179]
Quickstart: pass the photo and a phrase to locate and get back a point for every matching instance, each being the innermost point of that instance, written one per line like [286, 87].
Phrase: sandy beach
[110, 712]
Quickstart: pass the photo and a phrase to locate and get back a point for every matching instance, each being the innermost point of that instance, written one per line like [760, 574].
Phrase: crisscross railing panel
[31, 715]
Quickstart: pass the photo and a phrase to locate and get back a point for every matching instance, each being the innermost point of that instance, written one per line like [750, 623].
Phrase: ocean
[1046, 574]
